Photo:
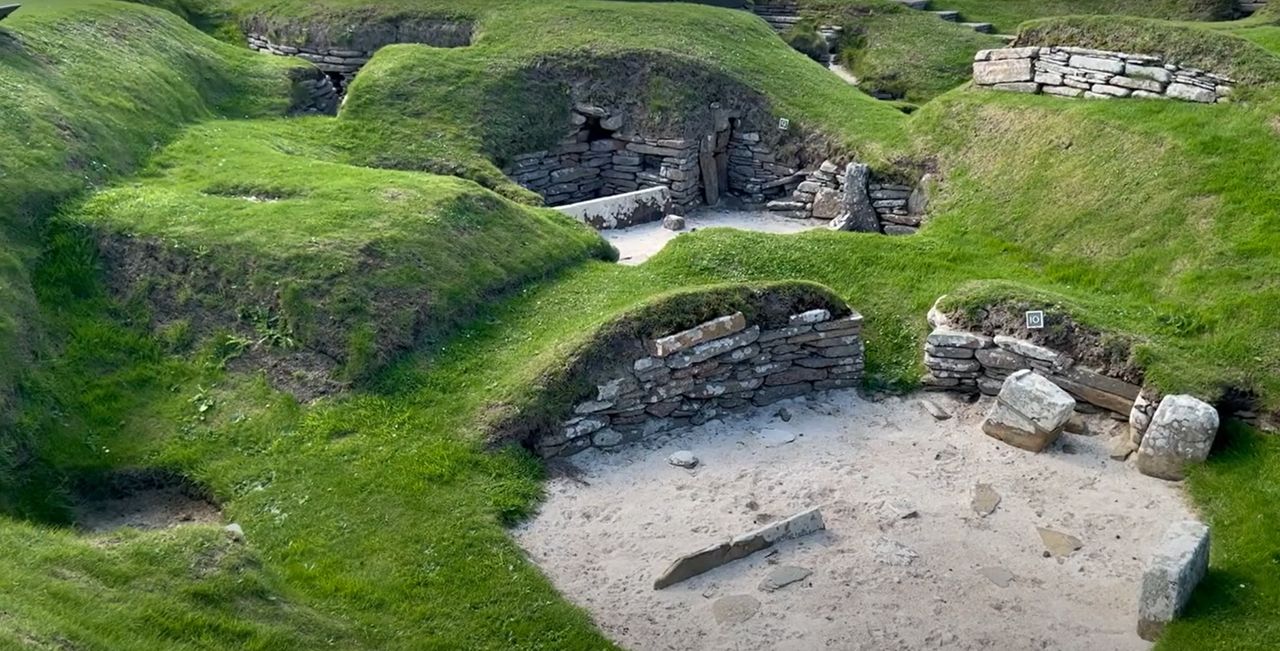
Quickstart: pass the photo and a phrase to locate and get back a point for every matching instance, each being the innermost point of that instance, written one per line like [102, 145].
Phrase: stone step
[981, 28]
[949, 16]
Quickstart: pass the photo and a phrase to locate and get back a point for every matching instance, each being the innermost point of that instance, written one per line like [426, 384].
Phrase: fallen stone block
[705, 560]
[1172, 573]
[1030, 412]
[1181, 432]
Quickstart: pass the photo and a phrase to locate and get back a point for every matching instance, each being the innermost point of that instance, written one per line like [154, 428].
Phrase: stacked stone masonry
[604, 156]
[963, 361]
[719, 367]
[829, 193]
[339, 63]
[1095, 74]
[315, 93]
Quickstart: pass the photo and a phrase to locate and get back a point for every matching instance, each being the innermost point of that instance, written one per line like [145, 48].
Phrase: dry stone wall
[605, 156]
[721, 366]
[341, 62]
[314, 92]
[842, 193]
[958, 360]
[1095, 74]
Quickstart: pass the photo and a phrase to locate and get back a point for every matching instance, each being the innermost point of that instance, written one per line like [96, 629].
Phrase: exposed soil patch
[937, 535]
[143, 499]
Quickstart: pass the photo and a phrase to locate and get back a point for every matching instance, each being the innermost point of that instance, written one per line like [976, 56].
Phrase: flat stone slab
[621, 210]
[1176, 566]
[1059, 544]
[5, 10]
[705, 560]
[985, 499]
[735, 609]
[784, 576]
[1000, 576]
[713, 329]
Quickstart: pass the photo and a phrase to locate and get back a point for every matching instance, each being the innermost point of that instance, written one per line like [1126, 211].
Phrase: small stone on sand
[935, 409]
[1059, 544]
[683, 459]
[985, 499]
[735, 609]
[1120, 448]
[997, 575]
[784, 576]
[892, 552]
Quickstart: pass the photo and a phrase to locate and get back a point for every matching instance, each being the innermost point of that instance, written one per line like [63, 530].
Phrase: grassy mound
[1214, 50]
[236, 227]
[1006, 14]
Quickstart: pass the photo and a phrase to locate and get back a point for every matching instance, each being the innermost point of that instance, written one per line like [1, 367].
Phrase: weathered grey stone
[951, 364]
[945, 351]
[1029, 413]
[1153, 73]
[1026, 349]
[986, 73]
[714, 329]
[673, 223]
[1097, 389]
[1111, 91]
[783, 576]
[683, 459]
[1137, 83]
[1099, 63]
[703, 352]
[1181, 432]
[985, 499]
[809, 318]
[858, 215]
[584, 426]
[851, 322]
[999, 358]
[936, 410]
[948, 338]
[606, 438]
[1060, 545]
[705, 560]
[1175, 569]
[1018, 86]
[1011, 53]
[828, 203]
[1190, 93]
[1144, 407]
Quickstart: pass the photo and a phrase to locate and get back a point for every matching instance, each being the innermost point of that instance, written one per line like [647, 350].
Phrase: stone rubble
[1096, 74]
[853, 200]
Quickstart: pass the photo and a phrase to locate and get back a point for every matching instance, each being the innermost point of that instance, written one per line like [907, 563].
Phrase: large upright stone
[713, 329]
[1030, 412]
[1181, 432]
[858, 213]
[986, 73]
[1175, 568]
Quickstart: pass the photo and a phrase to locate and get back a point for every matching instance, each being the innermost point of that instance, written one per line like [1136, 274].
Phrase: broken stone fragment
[1030, 412]
[705, 560]
[985, 499]
[1059, 544]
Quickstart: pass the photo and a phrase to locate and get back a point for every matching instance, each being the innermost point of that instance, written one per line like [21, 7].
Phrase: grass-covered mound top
[459, 109]
[237, 227]
[1006, 14]
[1208, 49]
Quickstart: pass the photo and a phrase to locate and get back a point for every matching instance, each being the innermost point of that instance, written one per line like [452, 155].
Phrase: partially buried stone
[735, 609]
[673, 223]
[784, 576]
[935, 409]
[1059, 544]
[985, 499]
[683, 459]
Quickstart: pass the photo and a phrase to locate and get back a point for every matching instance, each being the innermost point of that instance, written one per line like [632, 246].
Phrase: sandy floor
[158, 508]
[907, 561]
[639, 243]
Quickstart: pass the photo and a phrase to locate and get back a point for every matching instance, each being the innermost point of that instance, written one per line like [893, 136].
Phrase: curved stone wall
[723, 365]
[1095, 74]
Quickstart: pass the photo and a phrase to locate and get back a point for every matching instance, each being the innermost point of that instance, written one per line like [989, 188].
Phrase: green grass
[1006, 14]
[375, 519]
